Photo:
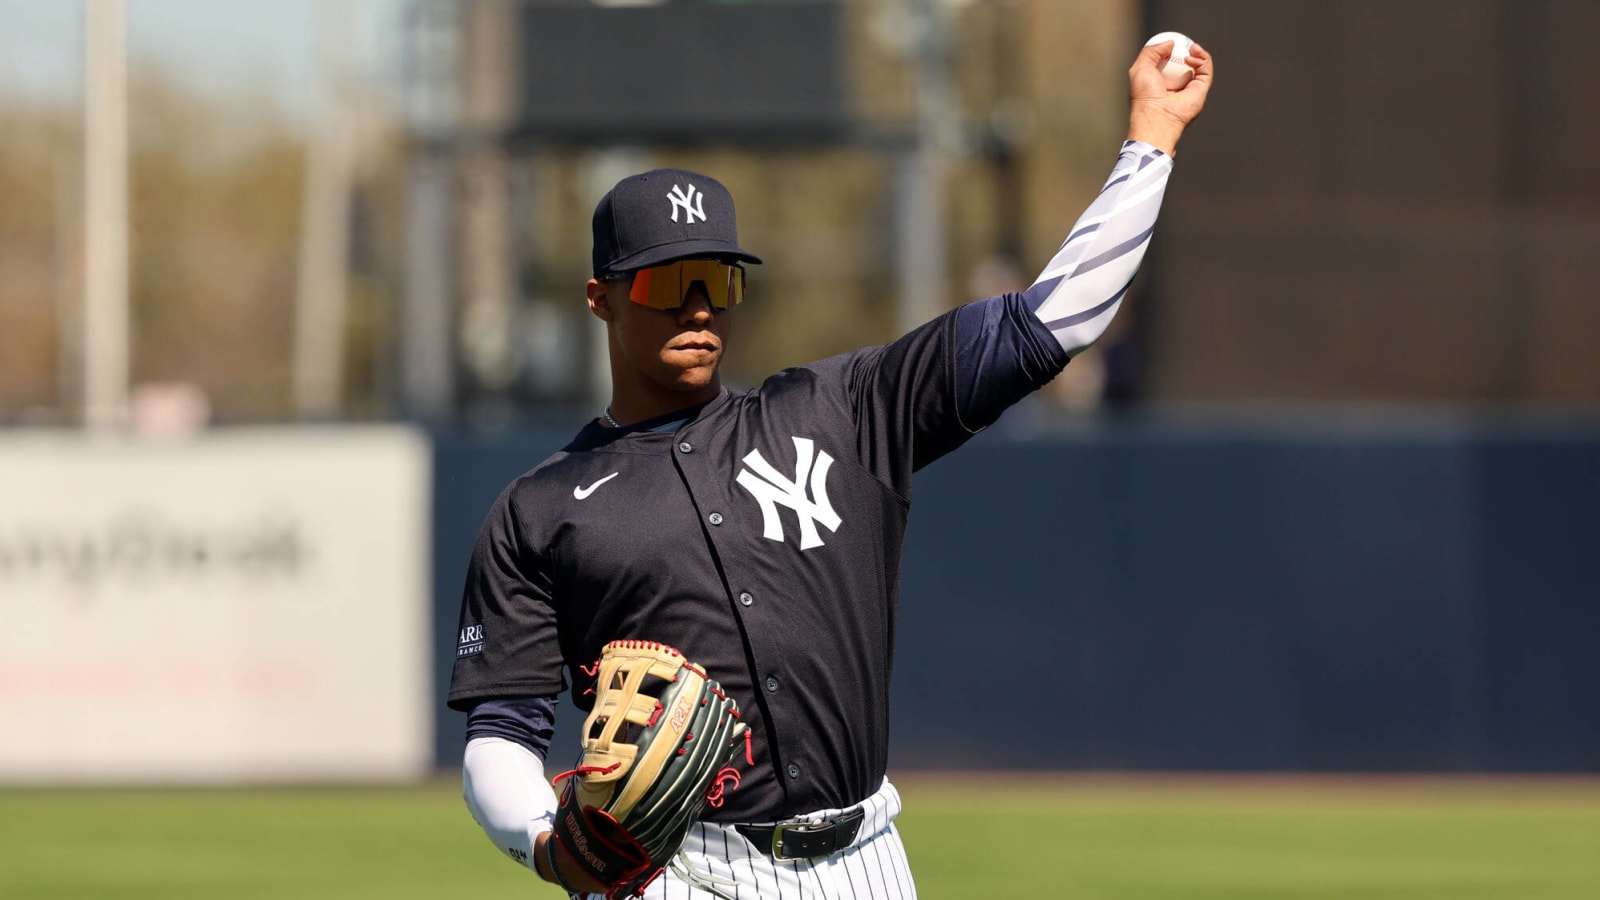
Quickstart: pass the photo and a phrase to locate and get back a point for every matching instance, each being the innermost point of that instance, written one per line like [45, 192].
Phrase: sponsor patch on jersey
[471, 642]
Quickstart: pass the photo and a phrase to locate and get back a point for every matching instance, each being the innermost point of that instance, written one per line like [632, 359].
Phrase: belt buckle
[783, 828]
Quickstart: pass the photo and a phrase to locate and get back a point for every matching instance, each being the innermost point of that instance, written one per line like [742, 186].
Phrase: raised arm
[1081, 288]
[1009, 345]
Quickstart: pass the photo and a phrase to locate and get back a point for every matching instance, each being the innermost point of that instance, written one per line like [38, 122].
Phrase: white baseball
[1177, 71]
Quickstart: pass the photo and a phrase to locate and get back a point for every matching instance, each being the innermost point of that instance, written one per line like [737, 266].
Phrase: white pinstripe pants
[874, 867]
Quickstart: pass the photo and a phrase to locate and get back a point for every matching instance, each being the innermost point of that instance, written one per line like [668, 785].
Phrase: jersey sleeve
[507, 643]
[921, 396]
[1002, 353]
[527, 721]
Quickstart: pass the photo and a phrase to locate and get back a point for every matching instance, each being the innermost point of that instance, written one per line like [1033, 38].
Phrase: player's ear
[599, 300]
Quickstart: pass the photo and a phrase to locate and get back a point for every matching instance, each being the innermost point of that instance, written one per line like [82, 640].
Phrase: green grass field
[983, 836]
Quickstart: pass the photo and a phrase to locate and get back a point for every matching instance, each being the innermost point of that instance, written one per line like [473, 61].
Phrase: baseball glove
[656, 749]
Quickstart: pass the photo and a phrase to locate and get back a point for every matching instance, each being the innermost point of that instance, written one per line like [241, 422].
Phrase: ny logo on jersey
[772, 490]
[693, 204]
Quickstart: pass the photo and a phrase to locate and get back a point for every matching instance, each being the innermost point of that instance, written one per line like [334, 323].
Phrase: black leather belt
[805, 840]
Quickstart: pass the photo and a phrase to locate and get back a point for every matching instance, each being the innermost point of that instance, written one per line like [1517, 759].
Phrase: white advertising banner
[248, 606]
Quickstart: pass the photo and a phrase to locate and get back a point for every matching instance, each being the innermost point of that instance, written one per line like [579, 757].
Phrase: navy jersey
[761, 537]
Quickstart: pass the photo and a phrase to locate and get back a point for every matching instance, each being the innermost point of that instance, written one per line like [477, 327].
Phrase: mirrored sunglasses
[664, 287]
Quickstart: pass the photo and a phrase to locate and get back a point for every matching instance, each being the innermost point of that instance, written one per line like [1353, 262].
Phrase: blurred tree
[215, 213]
[38, 191]
[214, 217]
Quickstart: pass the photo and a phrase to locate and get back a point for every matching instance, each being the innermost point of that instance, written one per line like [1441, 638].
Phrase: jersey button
[772, 683]
[745, 598]
[715, 518]
[685, 447]
[794, 771]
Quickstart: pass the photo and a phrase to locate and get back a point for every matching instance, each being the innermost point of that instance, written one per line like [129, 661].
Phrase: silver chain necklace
[610, 421]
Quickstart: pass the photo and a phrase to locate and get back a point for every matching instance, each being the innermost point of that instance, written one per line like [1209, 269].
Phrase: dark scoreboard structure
[681, 71]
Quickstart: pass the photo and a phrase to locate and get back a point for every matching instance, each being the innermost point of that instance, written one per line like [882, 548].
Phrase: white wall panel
[248, 606]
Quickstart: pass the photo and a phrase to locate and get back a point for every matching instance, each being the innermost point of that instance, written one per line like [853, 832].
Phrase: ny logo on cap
[693, 204]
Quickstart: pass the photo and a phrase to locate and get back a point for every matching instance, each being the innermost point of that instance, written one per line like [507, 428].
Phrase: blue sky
[218, 45]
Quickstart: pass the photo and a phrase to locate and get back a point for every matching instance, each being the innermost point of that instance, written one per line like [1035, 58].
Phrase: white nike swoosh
[583, 492]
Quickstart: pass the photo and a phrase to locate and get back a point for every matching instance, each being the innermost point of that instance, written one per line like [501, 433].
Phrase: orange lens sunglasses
[664, 287]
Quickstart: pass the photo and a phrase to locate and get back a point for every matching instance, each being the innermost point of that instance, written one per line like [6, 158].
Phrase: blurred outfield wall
[1399, 595]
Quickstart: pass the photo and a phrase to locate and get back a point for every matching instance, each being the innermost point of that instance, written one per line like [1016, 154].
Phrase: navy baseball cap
[663, 215]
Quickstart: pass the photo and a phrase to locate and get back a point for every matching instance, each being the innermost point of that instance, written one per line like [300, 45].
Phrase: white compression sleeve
[1079, 292]
[506, 791]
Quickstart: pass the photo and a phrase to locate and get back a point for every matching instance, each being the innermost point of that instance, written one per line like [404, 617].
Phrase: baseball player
[759, 532]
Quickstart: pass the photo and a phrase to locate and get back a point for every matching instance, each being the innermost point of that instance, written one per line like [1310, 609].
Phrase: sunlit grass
[968, 837]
